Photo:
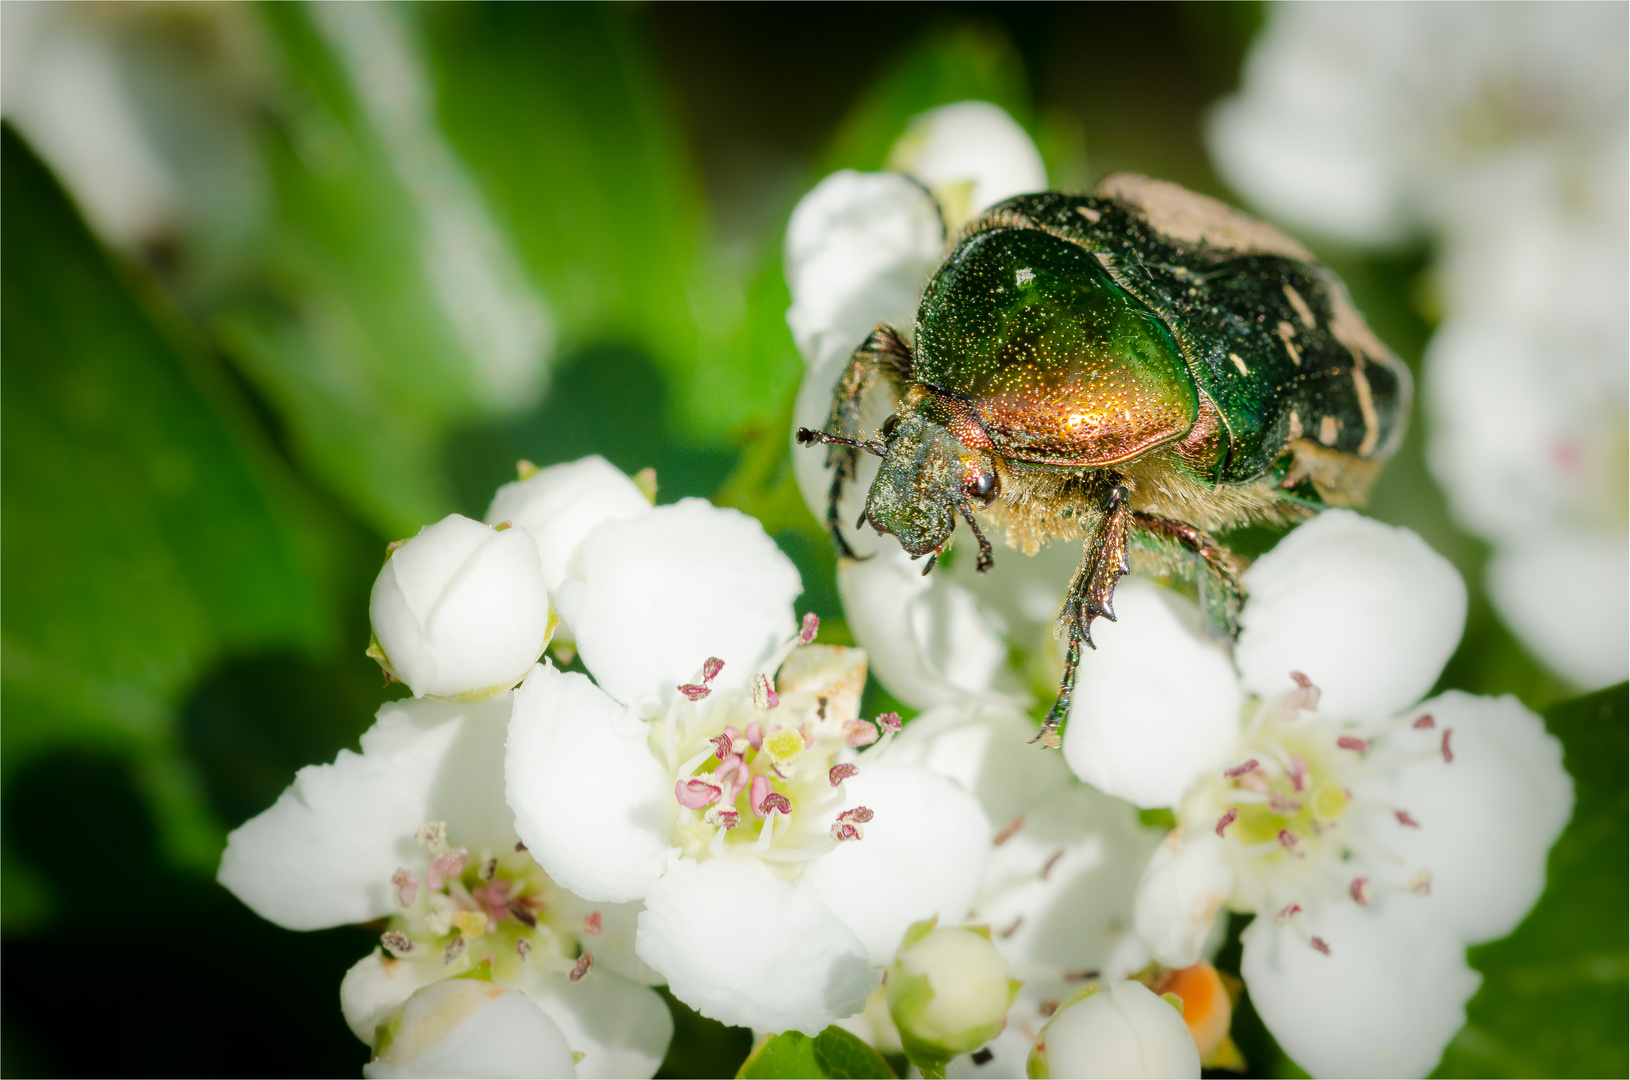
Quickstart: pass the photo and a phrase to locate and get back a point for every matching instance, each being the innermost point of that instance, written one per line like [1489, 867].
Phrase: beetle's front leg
[1092, 594]
[882, 353]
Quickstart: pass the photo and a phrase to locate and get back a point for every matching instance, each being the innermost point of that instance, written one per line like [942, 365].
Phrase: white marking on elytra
[1243, 370]
[1328, 427]
[1286, 332]
[1303, 312]
[1025, 276]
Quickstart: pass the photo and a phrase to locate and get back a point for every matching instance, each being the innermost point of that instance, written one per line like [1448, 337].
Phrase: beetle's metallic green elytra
[1138, 367]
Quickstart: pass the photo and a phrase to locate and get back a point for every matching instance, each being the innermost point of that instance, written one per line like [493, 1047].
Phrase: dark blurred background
[217, 412]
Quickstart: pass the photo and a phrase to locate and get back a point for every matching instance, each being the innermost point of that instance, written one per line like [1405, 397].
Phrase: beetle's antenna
[932, 559]
[807, 437]
[987, 558]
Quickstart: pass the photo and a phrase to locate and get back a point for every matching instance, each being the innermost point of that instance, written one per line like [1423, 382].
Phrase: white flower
[561, 505]
[1375, 838]
[1499, 130]
[465, 1027]
[460, 611]
[706, 770]
[860, 249]
[1124, 1030]
[415, 829]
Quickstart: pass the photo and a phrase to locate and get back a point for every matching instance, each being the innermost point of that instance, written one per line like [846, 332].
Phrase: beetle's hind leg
[883, 354]
[1091, 596]
[1177, 548]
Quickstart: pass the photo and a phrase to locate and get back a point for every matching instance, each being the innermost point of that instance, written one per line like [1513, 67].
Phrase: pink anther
[764, 695]
[889, 721]
[711, 668]
[1240, 770]
[694, 794]
[859, 815]
[858, 733]
[723, 745]
[756, 793]
[593, 923]
[1298, 772]
[1359, 890]
[1305, 696]
[812, 624]
[1448, 754]
[755, 735]
[1424, 722]
[731, 775]
[842, 831]
[771, 803]
[1405, 820]
[695, 691]
[1318, 943]
[1288, 840]
[723, 819]
[1353, 743]
[581, 968]
[446, 867]
[1008, 831]
[407, 886]
[1283, 804]
[1287, 913]
[1228, 818]
[839, 773]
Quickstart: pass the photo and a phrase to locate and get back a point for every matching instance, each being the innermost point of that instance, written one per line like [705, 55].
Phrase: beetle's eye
[983, 488]
[890, 424]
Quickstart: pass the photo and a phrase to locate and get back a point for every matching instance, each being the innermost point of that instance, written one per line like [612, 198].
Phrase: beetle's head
[928, 476]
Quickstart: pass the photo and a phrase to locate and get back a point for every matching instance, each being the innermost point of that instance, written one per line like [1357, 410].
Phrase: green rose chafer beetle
[1138, 367]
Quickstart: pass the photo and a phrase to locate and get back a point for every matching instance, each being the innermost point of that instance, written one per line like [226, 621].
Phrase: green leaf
[147, 528]
[1554, 998]
[832, 1053]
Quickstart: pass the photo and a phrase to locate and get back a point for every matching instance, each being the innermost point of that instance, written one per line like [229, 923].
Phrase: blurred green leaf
[701, 1047]
[949, 65]
[832, 1053]
[386, 303]
[146, 526]
[1555, 999]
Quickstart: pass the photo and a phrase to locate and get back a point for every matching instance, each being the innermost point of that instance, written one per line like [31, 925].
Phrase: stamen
[812, 624]
[454, 950]
[489, 869]
[519, 846]
[1448, 754]
[1007, 831]
[581, 968]
[755, 735]
[858, 815]
[1405, 820]
[1287, 913]
[592, 923]
[407, 886]
[1297, 771]
[446, 867]
[842, 831]
[695, 691]
[1283, 804]
[1424, 722]
[1240, 770]
[1304, 697]
[1353, 743]
[1421, 883]
[723, 819]
[724, 744]
[711, 668]
[695, 794]
[1288, 840]
[1227, 819]
[1052, 861]
[890, 722]
[397, 942]
[1012, 928]
[1359, 890]
[522, 947]
[858, 733]
[710, 671]
[774, 802]
[764, 695]
[841, 772]
[433, 835]
[1319, 944]
[522, 913]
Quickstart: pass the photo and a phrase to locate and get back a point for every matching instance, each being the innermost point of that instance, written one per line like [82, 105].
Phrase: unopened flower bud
[1124, 1030]
[460, 611]
[948, 992]
[559, 506]
[469, 1027]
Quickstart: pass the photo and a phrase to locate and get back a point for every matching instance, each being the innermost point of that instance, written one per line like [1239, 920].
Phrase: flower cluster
[1310, 785]
[1500, 132]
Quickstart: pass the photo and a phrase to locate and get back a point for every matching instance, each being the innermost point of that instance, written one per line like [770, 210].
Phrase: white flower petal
[465, 1027]
[986, 746]
[1385, 1002]
[591, 802]
[1563, 595]
[1123, 1030]
[613, 946]
[375, 985]
[1137, 730]
[1367, 611]
[859, 250]
[922, 855]
[654, 597]
[1487, 819]
[1058, 891]
[927, 639]
[460, 609]
[1187, 881]
[621, 1028]
[324, 853]
[740, 945]
[971, 155]
[562, 504]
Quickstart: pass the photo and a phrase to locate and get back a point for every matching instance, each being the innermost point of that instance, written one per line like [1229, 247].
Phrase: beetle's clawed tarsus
[809, 437]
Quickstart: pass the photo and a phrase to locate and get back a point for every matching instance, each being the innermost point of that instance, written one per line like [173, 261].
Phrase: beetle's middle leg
[1091, 595]
[1193, 554]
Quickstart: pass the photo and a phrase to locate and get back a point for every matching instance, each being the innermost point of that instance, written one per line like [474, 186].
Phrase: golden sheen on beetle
[1138, 368]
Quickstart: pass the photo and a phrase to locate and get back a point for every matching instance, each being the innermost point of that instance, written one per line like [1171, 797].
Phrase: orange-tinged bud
[1207, 1009]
